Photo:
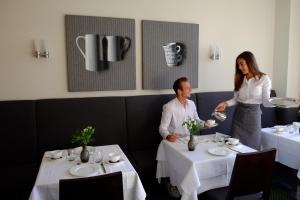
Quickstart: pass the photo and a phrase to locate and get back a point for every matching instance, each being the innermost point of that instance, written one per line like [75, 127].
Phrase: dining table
[209, 166]
[52, 170]
[287, 144]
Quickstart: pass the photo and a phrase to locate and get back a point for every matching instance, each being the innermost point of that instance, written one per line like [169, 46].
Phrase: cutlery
[233, 149]
[102, 165]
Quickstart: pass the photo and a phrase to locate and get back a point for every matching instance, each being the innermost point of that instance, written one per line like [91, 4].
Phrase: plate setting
[218, 151]
[84, 170]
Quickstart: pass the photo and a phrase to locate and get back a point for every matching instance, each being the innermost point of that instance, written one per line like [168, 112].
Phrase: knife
[234, 150]
[102, 165]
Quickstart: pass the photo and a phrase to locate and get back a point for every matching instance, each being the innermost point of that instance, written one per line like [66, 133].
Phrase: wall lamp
[214, 52]
[40, 50]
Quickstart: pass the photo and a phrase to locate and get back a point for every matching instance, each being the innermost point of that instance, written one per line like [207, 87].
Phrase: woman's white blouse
[253, 91]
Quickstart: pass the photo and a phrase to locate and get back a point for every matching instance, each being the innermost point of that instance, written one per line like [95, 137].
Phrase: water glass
[70, 155]
[290, 128]
[98, 156]
[91, 157]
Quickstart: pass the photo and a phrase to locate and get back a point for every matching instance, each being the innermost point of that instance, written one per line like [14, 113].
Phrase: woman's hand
[221, 106]
[171, 138]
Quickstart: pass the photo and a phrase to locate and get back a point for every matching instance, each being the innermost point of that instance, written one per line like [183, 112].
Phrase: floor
[285, 186]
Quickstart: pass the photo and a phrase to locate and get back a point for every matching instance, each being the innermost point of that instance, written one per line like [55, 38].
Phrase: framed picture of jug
[170, 51]
[100, 53]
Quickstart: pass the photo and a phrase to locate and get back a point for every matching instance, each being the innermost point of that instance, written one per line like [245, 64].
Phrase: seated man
[176, 111]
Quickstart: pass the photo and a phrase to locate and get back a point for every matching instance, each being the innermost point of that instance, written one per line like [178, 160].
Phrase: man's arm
[165, 121]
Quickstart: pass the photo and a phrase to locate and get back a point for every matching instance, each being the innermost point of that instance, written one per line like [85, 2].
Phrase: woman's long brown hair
[252, 66]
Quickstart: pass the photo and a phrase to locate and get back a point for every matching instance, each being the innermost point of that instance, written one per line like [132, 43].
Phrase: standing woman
[251, 88]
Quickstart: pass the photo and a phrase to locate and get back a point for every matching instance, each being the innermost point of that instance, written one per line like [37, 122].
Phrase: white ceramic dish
[114, 157]
[111, 163]
[296, 124]
[218, 151]
[84, 170]
[279, 128]
[233, 141]
[231, 145]
[213, 125]
[54, 154]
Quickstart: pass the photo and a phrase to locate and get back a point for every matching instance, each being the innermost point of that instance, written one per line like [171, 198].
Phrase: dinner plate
[84, 170]
[218, 151]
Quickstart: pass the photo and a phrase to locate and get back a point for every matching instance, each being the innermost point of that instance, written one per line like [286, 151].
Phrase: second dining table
[209, 166]
[46, 186]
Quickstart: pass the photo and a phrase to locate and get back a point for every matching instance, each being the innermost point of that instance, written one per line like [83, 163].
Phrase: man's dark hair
[177, 84]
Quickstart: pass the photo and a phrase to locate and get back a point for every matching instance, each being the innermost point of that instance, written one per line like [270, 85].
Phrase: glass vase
[84, 155]
[191, 143]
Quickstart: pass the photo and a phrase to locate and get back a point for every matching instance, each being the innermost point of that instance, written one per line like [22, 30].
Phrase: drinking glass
[91, 155]
[71, 155]
[98, 156]
[65, 154]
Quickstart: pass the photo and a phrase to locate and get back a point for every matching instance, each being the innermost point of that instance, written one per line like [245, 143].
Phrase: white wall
[293, 80]
[286, 71]
[234, 25]
[281, 46]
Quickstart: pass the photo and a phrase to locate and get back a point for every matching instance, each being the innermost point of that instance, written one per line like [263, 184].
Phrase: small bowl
[297, 124]
[55, 154]
[114, 157]
[279, 128]
[233, 141]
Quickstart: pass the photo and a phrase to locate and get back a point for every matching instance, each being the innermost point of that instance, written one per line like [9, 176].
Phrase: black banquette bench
[31, 127]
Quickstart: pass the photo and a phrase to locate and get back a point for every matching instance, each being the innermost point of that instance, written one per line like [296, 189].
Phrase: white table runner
[46, 186]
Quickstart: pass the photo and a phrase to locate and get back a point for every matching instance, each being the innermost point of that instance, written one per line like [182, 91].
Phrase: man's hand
[206, 125]
[171, 138]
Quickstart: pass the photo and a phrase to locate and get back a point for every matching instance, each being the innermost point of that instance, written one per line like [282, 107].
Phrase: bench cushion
[18, 132]
[143, 120]
[206, 104]
[58, 119]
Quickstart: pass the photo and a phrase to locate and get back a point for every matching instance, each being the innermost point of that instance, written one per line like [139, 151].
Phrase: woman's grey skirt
[246, 124]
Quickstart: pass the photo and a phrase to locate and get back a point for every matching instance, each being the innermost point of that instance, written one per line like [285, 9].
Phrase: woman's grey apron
[246, 124]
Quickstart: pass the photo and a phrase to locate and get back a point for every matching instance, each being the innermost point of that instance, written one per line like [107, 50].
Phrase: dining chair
[108, 186]
[250, 179]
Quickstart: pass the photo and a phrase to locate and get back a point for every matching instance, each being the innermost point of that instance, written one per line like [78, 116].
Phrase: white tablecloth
[287, 145]
[46, 186]
[194, 172]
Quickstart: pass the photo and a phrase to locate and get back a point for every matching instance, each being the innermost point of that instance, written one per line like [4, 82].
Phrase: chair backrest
[252, 173]
[108, 186]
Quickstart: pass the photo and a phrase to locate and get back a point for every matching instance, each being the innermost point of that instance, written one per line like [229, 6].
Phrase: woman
[251, 88]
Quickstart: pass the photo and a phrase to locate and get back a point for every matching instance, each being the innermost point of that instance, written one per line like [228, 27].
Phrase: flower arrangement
[193, 125]
[84, 137]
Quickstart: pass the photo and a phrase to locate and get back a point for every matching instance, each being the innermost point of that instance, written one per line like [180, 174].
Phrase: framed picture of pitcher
[170, 51]
[100, 53]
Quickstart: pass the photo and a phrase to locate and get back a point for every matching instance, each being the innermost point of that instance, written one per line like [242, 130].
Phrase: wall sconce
[214, 52]
[40, 50]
